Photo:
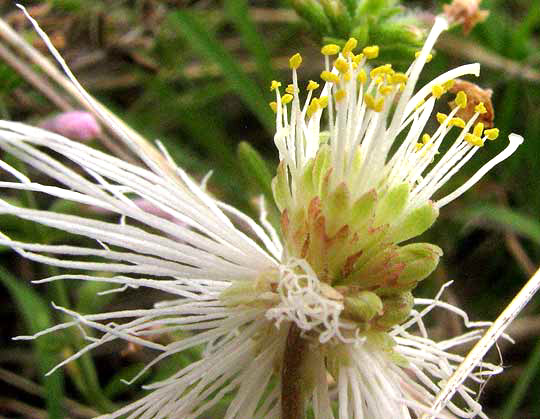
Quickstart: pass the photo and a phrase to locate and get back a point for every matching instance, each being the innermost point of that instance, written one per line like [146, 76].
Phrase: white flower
[248, 297]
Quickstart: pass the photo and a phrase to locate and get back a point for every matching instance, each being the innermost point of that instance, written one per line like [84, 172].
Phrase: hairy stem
[292, 399]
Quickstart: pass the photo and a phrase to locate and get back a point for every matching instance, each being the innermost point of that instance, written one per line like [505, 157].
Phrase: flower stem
[292, 399]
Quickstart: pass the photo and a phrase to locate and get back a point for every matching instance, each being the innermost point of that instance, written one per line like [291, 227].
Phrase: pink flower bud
[77, 125]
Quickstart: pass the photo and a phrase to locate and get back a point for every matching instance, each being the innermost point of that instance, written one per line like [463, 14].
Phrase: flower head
[324, 315]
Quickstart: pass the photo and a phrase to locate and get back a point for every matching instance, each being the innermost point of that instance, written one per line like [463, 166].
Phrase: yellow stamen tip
[399, 78]
[491, 134]
[341, 65]
[382, 70]
[441, 117]
[418, 146]
[362, 76]
[312, 85]
[323, 102]
[386, 90]
[290, 89]
[371, 51]
[330, 77]
[273, 106]
[330, 49]
[478, 129]
[426, 138]
[286, 98]
[295, 61]
[313, 107]
[274, 85]
[480, 108]
[461, 99]
[474, 140]
[349, 46]
[371, 103]
[457, 122]
[358, 58]
[340, 95]
[437, 91]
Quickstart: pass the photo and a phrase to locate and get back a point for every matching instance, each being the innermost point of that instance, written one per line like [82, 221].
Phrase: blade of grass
[254, 166]
[207, 45]
[238, 13]
[37, 317]
[507, 218]
[84, 373]
[532, 369]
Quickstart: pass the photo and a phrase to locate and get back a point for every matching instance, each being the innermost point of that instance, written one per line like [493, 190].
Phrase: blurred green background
[195, 75]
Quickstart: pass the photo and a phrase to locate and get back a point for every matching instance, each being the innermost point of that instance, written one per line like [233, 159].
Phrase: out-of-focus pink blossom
[77, 125]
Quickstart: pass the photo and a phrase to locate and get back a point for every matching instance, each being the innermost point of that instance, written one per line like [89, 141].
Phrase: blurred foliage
[194, 74]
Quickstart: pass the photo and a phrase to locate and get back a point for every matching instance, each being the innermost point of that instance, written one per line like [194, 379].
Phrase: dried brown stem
[292, 399]
[469, 50]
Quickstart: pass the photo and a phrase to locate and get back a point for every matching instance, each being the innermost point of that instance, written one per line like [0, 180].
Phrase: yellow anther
[339, 95]
[386, 90]
[428, 58]
[379, 80]
[441, 117]
[437, 91]
[274, 85]
[371, 51]
[382, 69]
[358, 58]
[362, 76]
[480, 108]
[457, 122]
[323, 102]
[286, 98]
[371, 103]
[461, 99]
[399, 78]
[474, 140]
[347, 76]
[426, 138]
[418, 146]
[420, 103]
[290, 89]
[448, 84]
[492, 134]
[312, 85]
[273, 106]
[329, 77]
[295, 61]
[341, 65]
[370, 100]
[478, 129]
[330, 49]
[349, 46]
[313, 107]
[379, 105]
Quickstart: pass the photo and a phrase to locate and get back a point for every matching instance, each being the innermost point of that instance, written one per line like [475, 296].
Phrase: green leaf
[506, 218]
[531, 370]
[238, 13]
[208, 46]
[255, 168]
[37, 317]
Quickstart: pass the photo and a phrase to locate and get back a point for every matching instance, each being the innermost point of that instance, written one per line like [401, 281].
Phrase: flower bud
[77, 125]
